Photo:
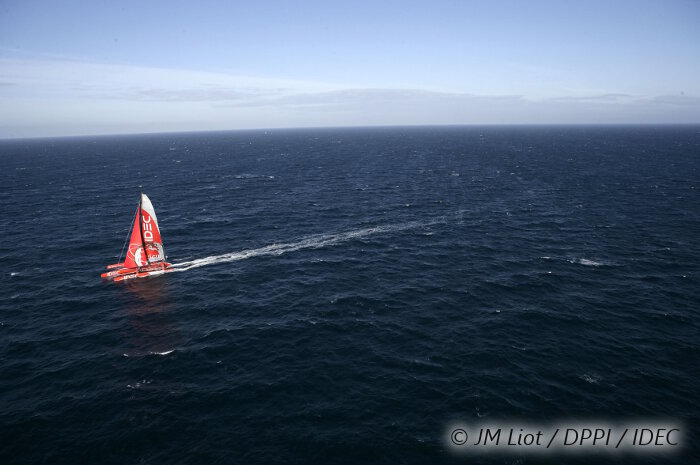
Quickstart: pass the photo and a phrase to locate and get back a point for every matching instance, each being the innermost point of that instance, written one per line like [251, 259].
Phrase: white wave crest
[312, 242]
[163, 353]
[585, 261]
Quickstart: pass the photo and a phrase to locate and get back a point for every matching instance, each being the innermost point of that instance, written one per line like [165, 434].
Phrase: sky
[114, 67]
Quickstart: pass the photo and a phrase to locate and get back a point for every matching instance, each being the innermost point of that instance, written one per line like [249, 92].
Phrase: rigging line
[128, 231]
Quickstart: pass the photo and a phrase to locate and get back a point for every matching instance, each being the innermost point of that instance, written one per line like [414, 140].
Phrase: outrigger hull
[122, 274]
[143, 272]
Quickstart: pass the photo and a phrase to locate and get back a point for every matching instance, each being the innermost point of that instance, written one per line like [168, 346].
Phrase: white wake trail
[312, 242]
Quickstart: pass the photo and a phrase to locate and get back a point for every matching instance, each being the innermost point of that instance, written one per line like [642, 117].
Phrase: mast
[143, 243]
[126, 239]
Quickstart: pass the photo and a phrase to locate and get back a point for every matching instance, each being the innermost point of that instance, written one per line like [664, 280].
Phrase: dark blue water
[346, 294]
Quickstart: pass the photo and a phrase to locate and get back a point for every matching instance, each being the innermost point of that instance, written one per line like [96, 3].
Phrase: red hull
[122, 274]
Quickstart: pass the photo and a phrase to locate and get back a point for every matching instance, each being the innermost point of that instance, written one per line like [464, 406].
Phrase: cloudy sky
[101, 67]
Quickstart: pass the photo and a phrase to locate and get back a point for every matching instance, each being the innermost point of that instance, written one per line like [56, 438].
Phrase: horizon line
[359, 126]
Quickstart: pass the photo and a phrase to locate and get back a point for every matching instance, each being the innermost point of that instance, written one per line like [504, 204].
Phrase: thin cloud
[59, 97]
[218, 94]
[373, 96]
[681, 100]
[610, 97]
[139, 82]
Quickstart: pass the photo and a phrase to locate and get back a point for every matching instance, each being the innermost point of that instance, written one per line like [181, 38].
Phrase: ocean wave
[585, 262]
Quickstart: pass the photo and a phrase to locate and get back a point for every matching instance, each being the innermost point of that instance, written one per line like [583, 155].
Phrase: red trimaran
[145, 255]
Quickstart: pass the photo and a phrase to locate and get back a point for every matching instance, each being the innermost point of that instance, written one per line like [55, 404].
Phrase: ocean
[343, 296]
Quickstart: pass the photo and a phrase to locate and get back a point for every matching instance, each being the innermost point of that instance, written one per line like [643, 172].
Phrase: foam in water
[163, 353]
[311, 242]
[586, 262]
